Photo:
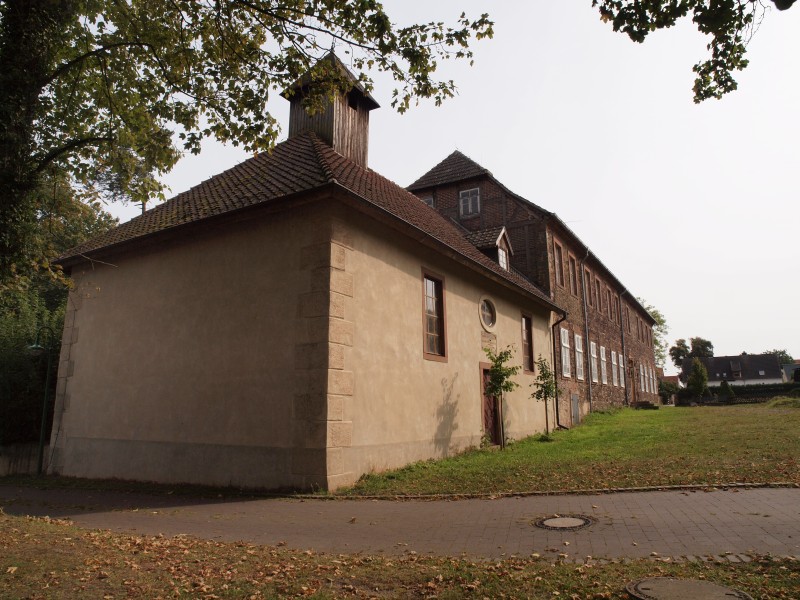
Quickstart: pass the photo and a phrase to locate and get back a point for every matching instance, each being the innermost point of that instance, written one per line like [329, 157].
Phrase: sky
[693, 207]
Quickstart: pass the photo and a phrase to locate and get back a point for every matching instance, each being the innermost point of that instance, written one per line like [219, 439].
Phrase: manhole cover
[564, 522]
[665, 588]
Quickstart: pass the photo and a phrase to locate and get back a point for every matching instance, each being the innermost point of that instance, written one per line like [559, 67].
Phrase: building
[745, 369]
[294, 322]
[604, 354]
[791, 372]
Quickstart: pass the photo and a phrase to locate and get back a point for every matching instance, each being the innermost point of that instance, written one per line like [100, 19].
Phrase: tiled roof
[300, 164]
[455, 167]
[750, 366]
[484, 238]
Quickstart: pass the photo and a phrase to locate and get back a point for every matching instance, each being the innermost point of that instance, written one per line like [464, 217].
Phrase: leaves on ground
[54, 559]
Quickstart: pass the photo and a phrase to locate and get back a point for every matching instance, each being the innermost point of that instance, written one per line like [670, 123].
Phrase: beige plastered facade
[280, 350]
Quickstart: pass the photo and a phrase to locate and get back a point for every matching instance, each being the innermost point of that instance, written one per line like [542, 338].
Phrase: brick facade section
[534, 233]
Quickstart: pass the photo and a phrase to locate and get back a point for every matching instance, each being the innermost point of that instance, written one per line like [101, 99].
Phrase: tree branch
[51, 156]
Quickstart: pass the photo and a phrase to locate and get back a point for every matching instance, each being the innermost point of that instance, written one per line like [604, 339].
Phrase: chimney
[343, 122]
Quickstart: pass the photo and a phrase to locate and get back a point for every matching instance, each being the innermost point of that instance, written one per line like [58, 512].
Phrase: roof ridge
[319, 146]
[456, 166]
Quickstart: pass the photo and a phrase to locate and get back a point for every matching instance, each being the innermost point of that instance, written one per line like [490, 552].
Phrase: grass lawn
[43, 558]
[627, 448]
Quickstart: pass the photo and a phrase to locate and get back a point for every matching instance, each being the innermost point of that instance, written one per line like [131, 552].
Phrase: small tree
[666, 390]
[698, 378]
[726, 390]
[544, 385]
[499, 382]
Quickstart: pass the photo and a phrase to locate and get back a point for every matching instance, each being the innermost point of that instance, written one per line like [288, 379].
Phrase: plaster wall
[404, 407]
[178, 363]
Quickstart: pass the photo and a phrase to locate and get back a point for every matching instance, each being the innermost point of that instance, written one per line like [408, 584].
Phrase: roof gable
[455, 167]
[489, 238]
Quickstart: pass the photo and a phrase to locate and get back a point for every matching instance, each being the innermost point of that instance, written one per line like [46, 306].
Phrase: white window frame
[593, 350]
[621, 370]
[641, 378]
[603, 366]
[579, 373]
[502, 257]
[428, 199]
[614, 376]
[472, 199]
[566, 369]
[652, 380]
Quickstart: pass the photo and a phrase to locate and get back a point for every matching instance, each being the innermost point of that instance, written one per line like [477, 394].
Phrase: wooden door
[491, 418]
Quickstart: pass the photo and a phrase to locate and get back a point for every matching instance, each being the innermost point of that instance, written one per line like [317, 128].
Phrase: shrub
[698, 379]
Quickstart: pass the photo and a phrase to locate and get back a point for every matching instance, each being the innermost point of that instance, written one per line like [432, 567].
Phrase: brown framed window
[573, 276]
[434, 342]
[598, 296]
[558, 258]
[588, 287]
[469, 202]
[527, 343]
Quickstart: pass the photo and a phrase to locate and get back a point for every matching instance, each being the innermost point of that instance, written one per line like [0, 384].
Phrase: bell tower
[343, 122]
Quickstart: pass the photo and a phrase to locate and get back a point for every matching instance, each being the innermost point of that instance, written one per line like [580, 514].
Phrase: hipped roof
[301, 164]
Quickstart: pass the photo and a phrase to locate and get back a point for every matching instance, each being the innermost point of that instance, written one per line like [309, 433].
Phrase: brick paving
[731, 524]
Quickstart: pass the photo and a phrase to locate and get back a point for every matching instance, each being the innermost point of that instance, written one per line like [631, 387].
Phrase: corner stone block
[309, 434]
[341, 383]
[340, 332]
[335, 356]
[312, 329]
[335, 408]
[341, 234]
[340, 434]
[341, 282]
[338, 257]
[321, 279]
[334, 461]
[334, 482]
[314, 256]
[61, 386]
[308, 407]
[314, 304]
[336, 305]
[311, 382]
[311, 356]
[66, 368]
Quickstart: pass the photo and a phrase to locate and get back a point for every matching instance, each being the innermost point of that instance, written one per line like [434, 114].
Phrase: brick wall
[534, 237]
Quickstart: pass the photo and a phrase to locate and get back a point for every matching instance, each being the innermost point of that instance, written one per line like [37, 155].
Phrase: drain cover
[665, 588]
[564, 522]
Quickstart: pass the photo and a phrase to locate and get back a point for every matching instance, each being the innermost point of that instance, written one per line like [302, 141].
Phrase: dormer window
[502, 257]
[469, 202]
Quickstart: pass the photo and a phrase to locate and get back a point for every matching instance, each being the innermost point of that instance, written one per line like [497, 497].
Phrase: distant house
[295, 321]
[744, 369]
[791, 372]
[673, 379]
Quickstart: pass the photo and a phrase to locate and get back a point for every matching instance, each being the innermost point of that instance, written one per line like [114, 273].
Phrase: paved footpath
[632, 524]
